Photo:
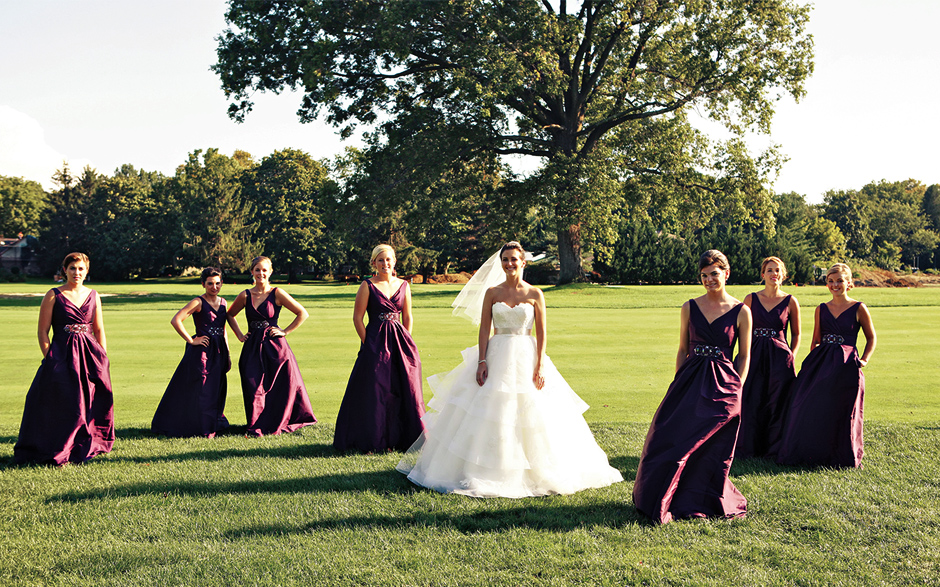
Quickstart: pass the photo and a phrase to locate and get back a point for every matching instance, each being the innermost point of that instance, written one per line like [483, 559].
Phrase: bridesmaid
[383, 404]
[193, 401]
[767, 388]
[69, 413]
[683, 470]
[825, 418]
[275, 397]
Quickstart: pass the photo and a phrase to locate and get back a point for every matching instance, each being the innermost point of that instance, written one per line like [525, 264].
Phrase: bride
[505, 423]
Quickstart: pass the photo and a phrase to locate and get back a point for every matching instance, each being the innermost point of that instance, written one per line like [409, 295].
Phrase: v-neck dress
[383, 403]
[683, 470]
[194, 399]
[69, 413]
[770, 376]
[275, 397]
[825, 420]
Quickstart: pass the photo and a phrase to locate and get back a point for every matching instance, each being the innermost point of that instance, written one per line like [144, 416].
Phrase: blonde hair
[259, 259]
[378, 250]
[843, 270]
[779, 262]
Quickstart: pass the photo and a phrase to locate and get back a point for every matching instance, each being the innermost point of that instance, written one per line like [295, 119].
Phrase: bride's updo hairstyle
[713, 257]
[512, 245]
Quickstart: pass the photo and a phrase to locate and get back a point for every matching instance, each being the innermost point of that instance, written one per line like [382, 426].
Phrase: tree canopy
[575, 86]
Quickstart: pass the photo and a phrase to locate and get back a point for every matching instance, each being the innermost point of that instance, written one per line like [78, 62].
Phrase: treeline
[322, 218]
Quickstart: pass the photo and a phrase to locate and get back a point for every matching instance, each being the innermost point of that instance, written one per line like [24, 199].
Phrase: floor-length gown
[69, 413]
[195, 397]
[275, 396]
[683, 470]
[824, 423]
[506, 438]
[766, 390]
[383, 403]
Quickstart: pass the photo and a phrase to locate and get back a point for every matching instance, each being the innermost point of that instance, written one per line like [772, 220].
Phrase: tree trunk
[569, 254]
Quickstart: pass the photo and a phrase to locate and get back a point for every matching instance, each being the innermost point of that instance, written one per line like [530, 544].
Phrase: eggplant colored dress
[506, 438]
[193, 401]
[383, 404]
[766, 390]
[825, 419]
[275, 397]
[69, 413]
[683, 470]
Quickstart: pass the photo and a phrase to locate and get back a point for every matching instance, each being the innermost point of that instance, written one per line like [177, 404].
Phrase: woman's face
[213, 285]
[384, 264]
[772, 274]
[837, 283]
[513, 261]
[714, 277]
[76, 272]
[261, 272]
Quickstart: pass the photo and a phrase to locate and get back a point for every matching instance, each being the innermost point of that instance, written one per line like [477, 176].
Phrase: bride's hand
[481, 373]
[538, 379]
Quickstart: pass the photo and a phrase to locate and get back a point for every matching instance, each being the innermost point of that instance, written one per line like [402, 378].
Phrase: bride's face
[513, 261]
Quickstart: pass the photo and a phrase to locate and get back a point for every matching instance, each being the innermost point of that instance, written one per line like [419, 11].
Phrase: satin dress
[770, 376]
[383, 404]
[506, 438]
[194, 400]
[275, 397]
[683, 470]
[825, 420]
[69, 413]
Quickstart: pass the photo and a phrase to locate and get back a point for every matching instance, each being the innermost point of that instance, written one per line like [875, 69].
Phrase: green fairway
[289, 511]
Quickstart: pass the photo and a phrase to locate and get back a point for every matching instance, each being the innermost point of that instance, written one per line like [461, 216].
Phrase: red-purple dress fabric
[769, 379]
[383, 404]
[683, 470]
[275, 396]
[69, 413]
[193, 402]
[824, 423]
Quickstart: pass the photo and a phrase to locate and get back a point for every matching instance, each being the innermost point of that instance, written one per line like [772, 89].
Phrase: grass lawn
[289, 511]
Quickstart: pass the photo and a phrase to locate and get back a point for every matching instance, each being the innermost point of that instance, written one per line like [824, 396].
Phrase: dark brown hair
[73, 257]
[512, 245]
[209, 272]
[713, 257]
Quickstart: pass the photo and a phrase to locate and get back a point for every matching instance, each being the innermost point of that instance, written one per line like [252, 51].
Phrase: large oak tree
[529, 77]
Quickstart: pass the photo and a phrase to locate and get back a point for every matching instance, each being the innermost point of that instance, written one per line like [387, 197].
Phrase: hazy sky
[108, 82]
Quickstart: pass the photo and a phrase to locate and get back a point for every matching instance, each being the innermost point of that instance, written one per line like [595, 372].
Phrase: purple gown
[825, 418]
[275, 397]
[69, 413]
[195, 397]
[683, 470]
[383, 404]
[769, 378]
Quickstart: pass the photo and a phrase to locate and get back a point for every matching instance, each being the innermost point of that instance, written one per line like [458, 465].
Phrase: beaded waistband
[259, 325]
[390, 317]
[522, 331]
[833, 339]
[708, 351]
[77, 328]
[215, 330]
[767, 333]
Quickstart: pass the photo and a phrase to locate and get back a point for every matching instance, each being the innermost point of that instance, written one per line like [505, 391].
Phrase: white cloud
[24, 152]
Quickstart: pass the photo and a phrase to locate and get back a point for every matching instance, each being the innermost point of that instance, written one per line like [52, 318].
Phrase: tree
[285, 191]
[21, 205]
[64, 224]
[471, 79]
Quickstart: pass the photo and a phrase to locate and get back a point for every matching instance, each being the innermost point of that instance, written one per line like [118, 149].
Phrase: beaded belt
[77, 328]
[216, 330]
[766, 332]
[833, 339]
[390, 317]
[712, 352]
[524, 331]
[259, 325]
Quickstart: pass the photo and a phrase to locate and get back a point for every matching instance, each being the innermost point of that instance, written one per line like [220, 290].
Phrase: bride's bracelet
[481, 361]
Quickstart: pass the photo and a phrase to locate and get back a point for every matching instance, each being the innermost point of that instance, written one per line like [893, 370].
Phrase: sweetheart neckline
[514, 307]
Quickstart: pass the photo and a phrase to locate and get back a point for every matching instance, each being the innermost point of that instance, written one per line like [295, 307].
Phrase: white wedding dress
[506, 438]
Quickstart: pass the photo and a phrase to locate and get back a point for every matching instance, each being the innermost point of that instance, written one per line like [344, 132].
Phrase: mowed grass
[289, 511]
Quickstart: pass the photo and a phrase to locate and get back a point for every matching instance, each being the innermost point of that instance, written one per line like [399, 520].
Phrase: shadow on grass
[627, 465]
[301, 451]
[533, 515]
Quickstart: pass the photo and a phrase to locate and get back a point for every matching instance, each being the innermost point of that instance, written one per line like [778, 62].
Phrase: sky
[109, 82]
